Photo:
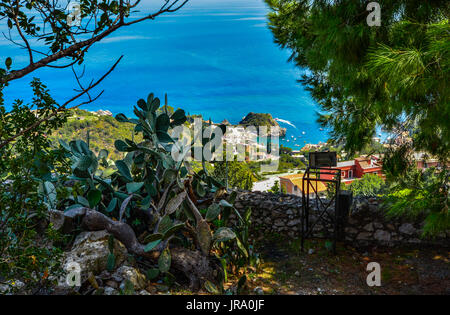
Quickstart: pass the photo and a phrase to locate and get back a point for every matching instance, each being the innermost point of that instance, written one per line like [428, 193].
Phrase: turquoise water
[215, 58]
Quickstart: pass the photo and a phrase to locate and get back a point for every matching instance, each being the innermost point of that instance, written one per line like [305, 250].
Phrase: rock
[112, 284]
[363, 236]
[56, 219]
[391, 227]
[407, 228]
[381, 235]
[259, 291]
[351, 230]
[90, 251]
[294, 222]
[133, 275]
[117, 278]
[352, 221]
[378, 225]
[105, 274]
[110, 291]
[297, 273]
[151, 289]
[368, 227]
[14, 285]
[102, 112]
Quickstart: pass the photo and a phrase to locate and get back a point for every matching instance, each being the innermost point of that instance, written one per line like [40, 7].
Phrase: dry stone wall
[366, 223]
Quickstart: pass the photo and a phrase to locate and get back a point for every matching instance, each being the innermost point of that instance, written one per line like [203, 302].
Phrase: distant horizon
[215, 59]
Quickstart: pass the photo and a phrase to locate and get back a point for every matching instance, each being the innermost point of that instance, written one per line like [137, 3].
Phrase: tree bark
[192, 263]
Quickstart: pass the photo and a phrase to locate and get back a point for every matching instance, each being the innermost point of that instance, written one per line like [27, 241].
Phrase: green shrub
[369, 185]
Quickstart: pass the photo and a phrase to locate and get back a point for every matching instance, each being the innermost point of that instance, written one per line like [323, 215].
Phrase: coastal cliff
[262, 119]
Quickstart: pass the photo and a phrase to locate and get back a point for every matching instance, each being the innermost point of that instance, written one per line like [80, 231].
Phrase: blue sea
[216, 58]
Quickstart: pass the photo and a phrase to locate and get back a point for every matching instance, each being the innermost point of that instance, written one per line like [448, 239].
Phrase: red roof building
[357, 168]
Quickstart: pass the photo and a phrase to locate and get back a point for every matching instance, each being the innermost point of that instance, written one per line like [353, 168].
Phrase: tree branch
[74, 48]
[62, 107]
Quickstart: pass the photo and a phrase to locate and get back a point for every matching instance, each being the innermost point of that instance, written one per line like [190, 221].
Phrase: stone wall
[366, 224]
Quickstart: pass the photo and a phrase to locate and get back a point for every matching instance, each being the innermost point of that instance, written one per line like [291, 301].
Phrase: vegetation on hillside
[261, 119]
[99, 131]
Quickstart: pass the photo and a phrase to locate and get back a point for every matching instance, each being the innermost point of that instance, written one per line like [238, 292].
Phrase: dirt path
[286, 270]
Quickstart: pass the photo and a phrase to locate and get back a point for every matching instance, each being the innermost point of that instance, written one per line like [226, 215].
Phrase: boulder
[110, 291]
[90, 251]
[407, 228]
[138, 280]
[11, 286]
[368, 227]
[381, 235]
[294, 222]
[363, 236]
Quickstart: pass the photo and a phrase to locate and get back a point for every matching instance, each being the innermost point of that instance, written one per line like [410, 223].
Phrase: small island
[262, 119]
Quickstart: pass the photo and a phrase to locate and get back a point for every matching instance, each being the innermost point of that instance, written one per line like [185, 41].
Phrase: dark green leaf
[129, 287]
[164, 260]
[213, 212]
[112, 205]
[94, 197]
[172, 230]
[151, 245]
[111, 262]
[121, 118]
[124, 170]
[155, 104]
[225, 203]
[142, 104]
[152, 273]
[120, 145]
[165, 224]
[8, 62]
[162, 122]
[153, 237]
[164, 137]
[241, 284]
[134, 186]
[84, 163]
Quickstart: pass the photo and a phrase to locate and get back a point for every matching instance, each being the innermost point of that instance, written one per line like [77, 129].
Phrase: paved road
[266, 184]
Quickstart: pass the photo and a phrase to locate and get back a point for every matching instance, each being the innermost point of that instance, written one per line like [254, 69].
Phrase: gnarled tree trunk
[192, 263]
